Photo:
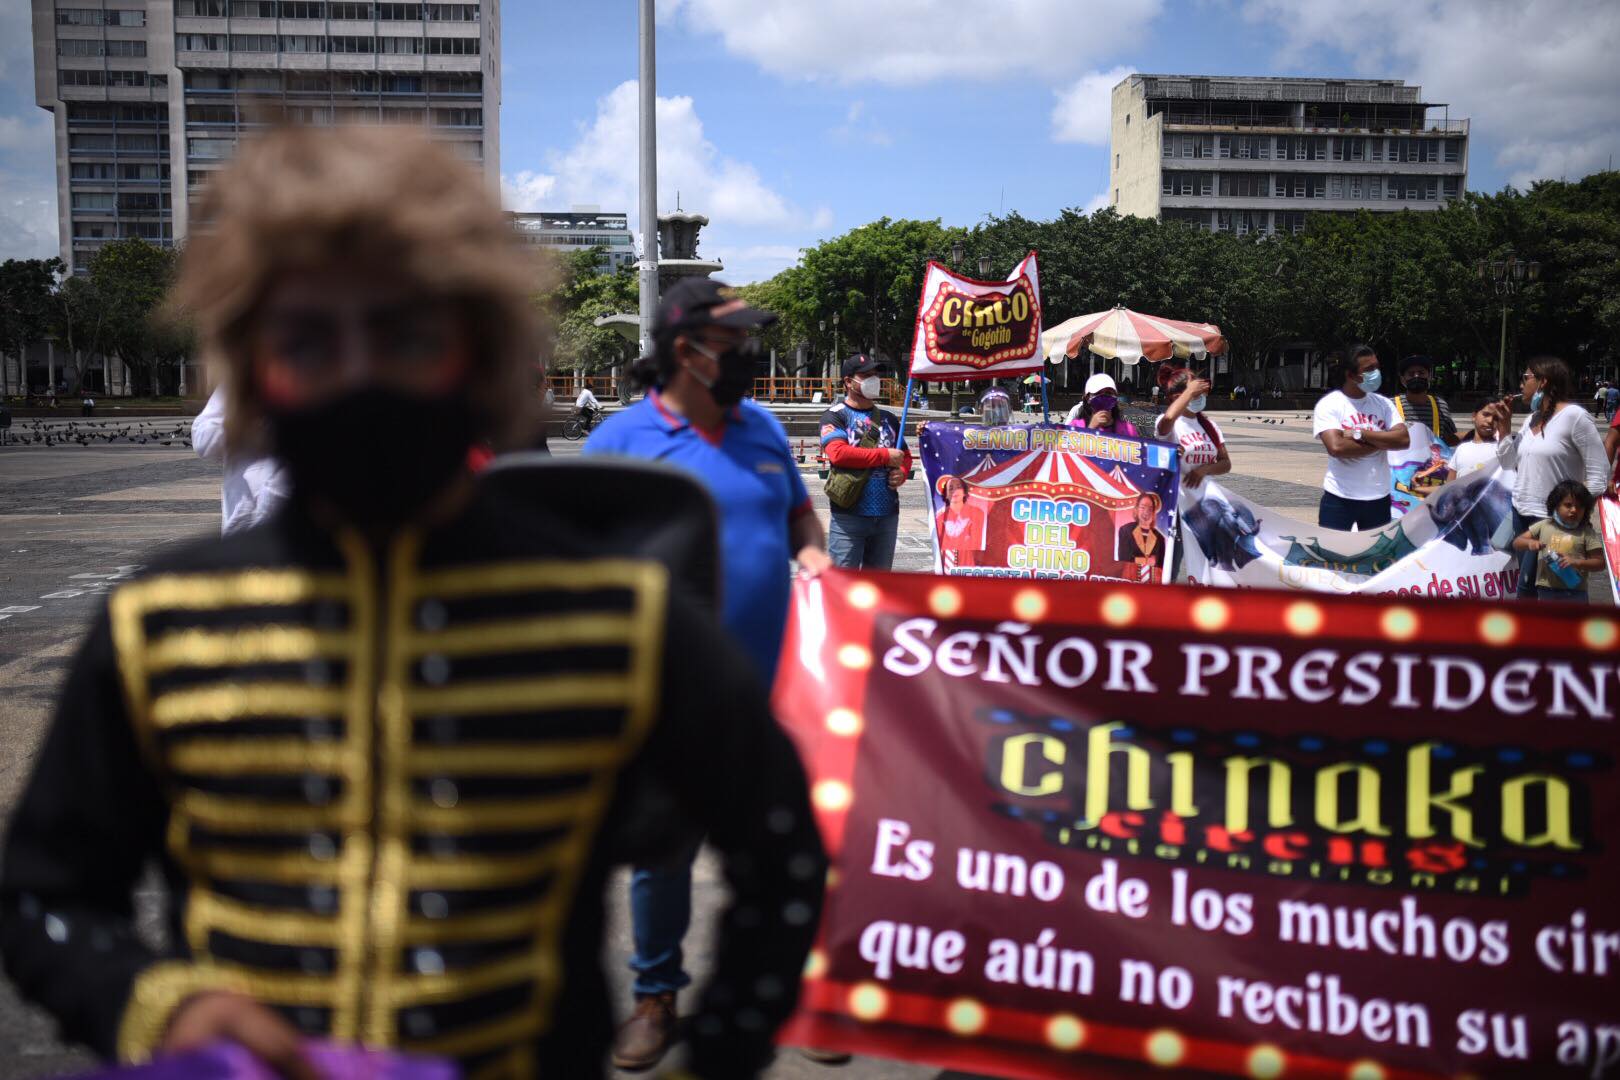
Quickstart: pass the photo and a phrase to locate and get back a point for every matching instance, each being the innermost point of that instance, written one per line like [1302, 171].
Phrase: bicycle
[580, 424]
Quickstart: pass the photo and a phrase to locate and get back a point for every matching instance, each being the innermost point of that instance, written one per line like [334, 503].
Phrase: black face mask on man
[1418, 385]
[738, 365]
[374, 455]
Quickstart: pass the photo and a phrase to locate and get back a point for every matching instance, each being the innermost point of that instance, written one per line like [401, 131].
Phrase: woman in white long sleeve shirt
[1558, 442]
[252, 487]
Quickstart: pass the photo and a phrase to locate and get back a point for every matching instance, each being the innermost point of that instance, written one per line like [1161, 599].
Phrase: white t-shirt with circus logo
[1364, 478]
[1197, 448]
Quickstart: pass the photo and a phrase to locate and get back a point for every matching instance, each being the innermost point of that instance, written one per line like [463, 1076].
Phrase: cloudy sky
[788, 122]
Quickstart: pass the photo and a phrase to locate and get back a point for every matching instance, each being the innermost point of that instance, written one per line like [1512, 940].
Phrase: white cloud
[601, 167]
[1097, 202]
[906, 42]
[27, 148]
[1537, 79]
[754, 262]
[1081, 114]
[853, 129]
[527, 190]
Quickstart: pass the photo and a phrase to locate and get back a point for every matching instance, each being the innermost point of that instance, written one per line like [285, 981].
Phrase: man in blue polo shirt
[695, 417]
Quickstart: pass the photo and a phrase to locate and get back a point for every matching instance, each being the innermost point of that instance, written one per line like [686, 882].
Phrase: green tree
[26, 287]
[129, 279]
[582, 294]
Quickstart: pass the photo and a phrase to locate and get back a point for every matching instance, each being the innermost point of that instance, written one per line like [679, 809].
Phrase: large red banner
[1086, 830]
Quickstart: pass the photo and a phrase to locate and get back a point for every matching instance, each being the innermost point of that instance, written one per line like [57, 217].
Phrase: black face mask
[1418, 385]
[376, 456]
[738, 366]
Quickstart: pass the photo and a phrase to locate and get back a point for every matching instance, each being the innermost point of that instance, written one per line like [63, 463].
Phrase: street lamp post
[835, 337]
[1507, 275]
[821, 325]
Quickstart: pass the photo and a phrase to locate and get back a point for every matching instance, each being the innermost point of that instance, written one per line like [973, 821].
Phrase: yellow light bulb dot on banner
[1210, 614]
[1266, 1062]
[1303, 618]
[945, 601]
[964, 1016]
[1030, 605]
[864, 595]
[815, 965]
[1599, 633]
[833, 878]
[868, 1001]
[855, 657]
[1165, 1048]
[1498, 628]
[831, 795]
[1065, 1032]
[1119, 609]
[1399, 623]
[1365, 1070]
[844, 722]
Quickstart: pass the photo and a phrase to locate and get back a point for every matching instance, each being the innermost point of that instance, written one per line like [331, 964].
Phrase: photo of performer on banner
[1049, 501]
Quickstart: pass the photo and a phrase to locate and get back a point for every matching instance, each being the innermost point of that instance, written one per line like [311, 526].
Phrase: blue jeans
[660, 912]
[1568, 596]
[855, 542]
[1337, 512]
[1527, 559]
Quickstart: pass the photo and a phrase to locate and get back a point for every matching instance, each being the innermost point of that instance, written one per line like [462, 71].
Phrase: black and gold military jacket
[383, 785]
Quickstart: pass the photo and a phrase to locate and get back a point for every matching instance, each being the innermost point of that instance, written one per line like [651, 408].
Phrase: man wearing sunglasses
[377, 744]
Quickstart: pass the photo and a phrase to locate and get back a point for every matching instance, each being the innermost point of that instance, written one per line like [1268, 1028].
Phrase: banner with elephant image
[1452, 544]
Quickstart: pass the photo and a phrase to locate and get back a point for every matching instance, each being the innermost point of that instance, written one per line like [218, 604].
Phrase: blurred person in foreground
[375, 745]
[696, 417]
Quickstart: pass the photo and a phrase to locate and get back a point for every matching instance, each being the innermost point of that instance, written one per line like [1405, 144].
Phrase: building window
[351, 11]
[353, 45]
[1451, 187]
[458, 117]
[253, 43]
[1116, 161]
[302, 9]
[403, 46]
[215, 149]
[253, 9]
[1116, 196]
[1453, 150]
[452, 12]
[303, 43]
[1168, 148]
[199, 42]
[91, 200]
[207, 8]
[96, 17]
[73, 77]
[400, 12]
[452, 46]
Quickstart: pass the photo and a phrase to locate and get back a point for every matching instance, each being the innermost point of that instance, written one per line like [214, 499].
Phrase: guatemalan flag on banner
[969, 329]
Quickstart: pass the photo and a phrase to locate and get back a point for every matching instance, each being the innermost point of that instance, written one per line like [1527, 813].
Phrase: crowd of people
[392, 729]
[1561, 465]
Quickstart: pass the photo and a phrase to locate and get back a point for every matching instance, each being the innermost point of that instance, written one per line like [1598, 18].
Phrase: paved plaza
[75, 520]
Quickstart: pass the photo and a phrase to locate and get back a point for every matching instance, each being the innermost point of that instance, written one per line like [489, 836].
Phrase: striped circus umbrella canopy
[1129, 336]
[1036, 472]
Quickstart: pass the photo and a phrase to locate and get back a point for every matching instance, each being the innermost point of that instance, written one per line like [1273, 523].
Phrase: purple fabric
[227, 1061]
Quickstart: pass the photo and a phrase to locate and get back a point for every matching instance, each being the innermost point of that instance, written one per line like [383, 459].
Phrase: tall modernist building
[580, 227]
[1255, 155]
[150, 96]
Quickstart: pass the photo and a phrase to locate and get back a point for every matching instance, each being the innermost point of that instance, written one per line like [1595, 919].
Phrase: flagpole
[905, 410]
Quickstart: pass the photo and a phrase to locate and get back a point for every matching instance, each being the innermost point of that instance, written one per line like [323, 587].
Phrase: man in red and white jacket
[862, 537]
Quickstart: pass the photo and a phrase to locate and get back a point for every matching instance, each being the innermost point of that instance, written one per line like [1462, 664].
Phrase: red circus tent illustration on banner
[1050, 475]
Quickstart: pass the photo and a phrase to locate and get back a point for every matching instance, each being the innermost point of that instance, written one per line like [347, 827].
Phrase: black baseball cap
[1416, 361]
[859, 364]
[695, 302]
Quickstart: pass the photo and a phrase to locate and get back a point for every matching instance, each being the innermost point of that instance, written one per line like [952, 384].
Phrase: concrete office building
[1256, 155]
[150, 96]
[580, 227]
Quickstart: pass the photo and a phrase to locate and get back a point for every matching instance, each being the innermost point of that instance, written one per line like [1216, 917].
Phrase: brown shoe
[824, 1057]
[646, 1037]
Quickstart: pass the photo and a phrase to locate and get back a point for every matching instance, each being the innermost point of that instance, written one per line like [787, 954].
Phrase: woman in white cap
[1100, 408]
